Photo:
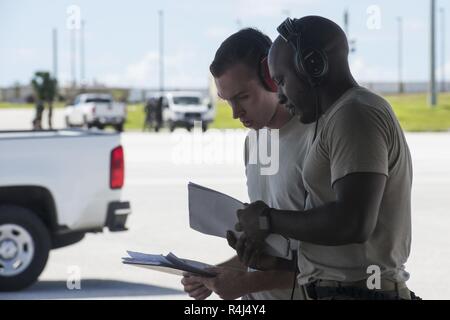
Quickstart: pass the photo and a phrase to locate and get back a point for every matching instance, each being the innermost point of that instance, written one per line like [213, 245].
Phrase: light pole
[286, 13]
[239, 24]
[55, 53]
[433, 91]
[82, 60]
[401, 88]
[346, 22]
[351, 42]
[161, 50]
[443, 51]
[73, 56]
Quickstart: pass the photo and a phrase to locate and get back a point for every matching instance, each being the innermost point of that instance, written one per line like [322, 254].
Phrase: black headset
[308, 59]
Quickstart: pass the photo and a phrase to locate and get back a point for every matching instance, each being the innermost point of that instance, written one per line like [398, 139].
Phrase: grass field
[8, 105]
[414, 113]
[412, 110]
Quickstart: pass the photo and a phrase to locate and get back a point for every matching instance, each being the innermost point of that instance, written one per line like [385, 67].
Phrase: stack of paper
[169, 264]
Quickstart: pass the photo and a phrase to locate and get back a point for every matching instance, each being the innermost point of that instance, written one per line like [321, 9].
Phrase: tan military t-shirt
[360, 133]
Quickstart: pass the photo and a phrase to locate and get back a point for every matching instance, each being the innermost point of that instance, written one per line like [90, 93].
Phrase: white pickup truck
[55, 186]
[96, 110]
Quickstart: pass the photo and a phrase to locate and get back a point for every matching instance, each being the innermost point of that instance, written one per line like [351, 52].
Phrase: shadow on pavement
[90, 288]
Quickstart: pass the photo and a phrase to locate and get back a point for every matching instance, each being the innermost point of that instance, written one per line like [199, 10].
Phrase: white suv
[182, 109]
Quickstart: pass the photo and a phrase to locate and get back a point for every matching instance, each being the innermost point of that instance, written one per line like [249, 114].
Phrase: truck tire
[86, 123]
[68, 125]
[24, 247]
[119, 127]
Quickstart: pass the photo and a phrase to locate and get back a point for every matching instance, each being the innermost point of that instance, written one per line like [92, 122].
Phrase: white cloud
[142, 72]
[180, 70]
[362, 71]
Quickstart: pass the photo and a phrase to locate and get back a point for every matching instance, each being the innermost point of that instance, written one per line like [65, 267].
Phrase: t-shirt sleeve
[358, 142]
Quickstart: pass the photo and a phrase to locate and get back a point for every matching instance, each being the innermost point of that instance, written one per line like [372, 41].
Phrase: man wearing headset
[355, 234]
[241, 74]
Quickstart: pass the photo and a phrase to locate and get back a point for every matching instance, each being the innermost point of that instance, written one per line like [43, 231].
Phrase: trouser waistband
[388, 290]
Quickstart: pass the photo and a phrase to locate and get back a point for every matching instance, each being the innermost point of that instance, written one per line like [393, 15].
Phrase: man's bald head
[320, 34]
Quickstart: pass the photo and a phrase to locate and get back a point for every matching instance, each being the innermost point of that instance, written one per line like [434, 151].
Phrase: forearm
[326, 225]
[234, 263]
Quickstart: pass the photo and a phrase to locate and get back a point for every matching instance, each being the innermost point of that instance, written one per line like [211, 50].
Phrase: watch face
[263, 223]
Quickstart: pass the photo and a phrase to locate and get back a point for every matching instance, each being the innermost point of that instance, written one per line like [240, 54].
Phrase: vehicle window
[186, 100]
[98, 100]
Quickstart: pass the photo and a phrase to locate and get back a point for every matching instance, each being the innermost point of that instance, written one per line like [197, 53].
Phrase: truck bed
[43, 134]
[73, 165]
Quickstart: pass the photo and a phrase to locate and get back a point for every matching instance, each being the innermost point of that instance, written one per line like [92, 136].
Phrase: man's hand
[250, 255]
[194, 288]
[250, 223]
[228, 284]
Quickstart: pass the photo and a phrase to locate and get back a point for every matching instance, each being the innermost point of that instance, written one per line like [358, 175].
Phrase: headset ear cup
[267, 81]
[315, 63]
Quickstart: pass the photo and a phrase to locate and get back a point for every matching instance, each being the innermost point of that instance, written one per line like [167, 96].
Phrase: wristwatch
[264, 219]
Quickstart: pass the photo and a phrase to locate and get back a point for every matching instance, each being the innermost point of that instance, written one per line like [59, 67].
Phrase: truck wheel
[119, 127]
[86, 123]
[68, 125]
[24, 247]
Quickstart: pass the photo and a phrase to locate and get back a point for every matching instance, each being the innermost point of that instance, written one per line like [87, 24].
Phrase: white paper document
[214, 213]
[168, 264]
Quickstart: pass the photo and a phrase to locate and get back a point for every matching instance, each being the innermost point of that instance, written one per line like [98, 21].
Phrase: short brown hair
[247, 46]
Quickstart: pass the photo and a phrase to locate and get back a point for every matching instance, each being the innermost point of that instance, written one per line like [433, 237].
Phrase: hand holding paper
[258, 260]
[250, 223]
[215, 213]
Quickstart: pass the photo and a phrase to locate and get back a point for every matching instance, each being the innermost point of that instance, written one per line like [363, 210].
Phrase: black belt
[317, 292]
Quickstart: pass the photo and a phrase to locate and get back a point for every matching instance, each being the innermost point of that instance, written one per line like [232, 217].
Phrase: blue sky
[122, 37]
